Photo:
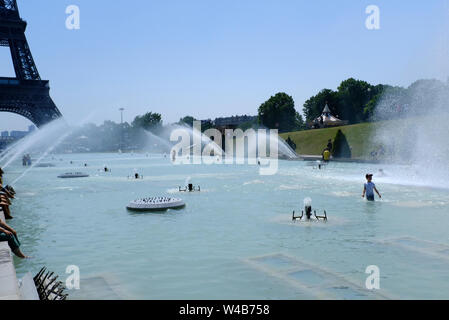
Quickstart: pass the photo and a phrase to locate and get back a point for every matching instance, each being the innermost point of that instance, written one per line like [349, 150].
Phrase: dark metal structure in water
[26, 94]
[190, 188]
[308, 215]
[47, 286]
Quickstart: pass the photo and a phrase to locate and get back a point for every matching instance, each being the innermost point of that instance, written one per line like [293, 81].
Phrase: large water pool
[234, 239]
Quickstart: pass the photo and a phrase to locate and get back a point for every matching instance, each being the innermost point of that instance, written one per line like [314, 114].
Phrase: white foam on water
[291, 187]
[253, 182]
[66, 188]
[27, 194]
[344, 194]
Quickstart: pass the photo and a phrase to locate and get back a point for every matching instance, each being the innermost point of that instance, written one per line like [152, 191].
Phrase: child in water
[369, 189]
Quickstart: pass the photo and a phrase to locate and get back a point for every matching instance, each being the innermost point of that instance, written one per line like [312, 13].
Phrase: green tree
[341, 147]
[149, 121]
[354, 96]
[206, 125]
[313, 107]
[279, 112]
[248, 125]
[377, 95]
[300, 124]
[291, 143]
[188, 120]
[355, 101]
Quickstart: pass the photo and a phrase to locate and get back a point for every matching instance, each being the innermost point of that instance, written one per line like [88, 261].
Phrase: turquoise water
[204, 250]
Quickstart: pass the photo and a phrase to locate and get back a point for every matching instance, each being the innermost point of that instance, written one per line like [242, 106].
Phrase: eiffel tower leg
[31, 100]
[23, 60]
[27, 94]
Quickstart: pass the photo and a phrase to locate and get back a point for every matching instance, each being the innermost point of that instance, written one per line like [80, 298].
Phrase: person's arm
[364, 191]
[3, 230]
[7, 193]
[6, 200]
[7, 229]
[377, 192]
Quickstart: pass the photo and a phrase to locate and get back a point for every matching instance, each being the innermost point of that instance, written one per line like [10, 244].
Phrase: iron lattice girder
[12, 34]
[12, 29]
[30, 99]
[8, 4]
[24, 65]
[8, 9]
[27, 94]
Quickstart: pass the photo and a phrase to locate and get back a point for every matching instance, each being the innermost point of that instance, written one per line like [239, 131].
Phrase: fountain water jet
[156, 140]
[36, 140]
[54, 127]
[199, 142]
[50, 149]
[284, 150]
[414, 131]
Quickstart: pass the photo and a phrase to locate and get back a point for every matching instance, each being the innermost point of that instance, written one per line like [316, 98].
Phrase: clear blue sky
[220, 58]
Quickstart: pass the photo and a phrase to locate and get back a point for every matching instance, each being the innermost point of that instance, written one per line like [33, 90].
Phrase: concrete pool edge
[9, 286]
[310, 157]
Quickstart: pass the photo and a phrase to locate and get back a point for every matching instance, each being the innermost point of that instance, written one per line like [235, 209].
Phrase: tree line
[112, 136]
[357, 101]
[354, 100]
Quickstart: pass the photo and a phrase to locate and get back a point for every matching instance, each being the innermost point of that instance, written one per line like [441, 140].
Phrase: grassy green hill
[401, 132]
[312, 142]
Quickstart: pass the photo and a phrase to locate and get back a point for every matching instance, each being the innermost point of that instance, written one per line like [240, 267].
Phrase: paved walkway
[9, 288]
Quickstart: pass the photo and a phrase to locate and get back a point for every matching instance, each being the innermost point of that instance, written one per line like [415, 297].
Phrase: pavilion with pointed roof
[327, 119]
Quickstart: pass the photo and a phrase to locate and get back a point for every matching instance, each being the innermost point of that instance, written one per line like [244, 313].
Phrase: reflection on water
[197, 253]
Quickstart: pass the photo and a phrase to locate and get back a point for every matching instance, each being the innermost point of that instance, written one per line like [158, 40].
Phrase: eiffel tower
[26, 94]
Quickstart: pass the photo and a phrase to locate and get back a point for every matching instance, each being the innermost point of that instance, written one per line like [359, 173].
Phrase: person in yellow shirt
[326, 155]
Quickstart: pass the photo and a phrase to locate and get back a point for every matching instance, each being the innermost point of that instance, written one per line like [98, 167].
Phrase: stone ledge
[9, 288]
